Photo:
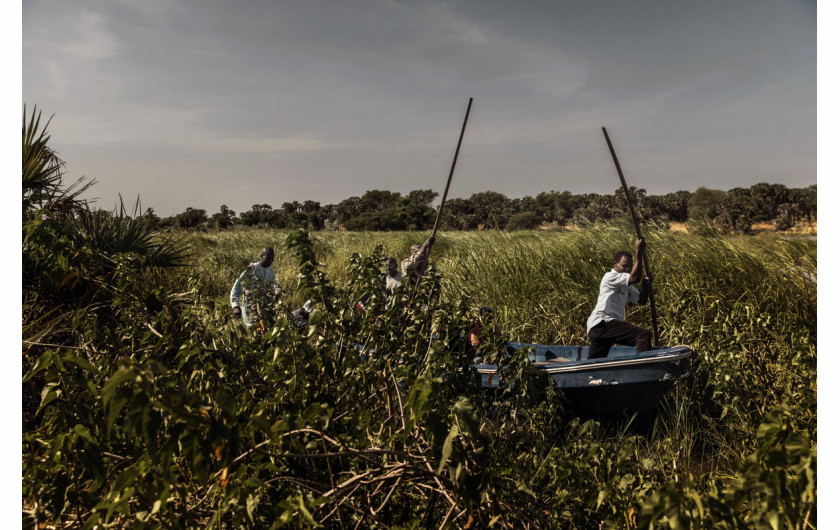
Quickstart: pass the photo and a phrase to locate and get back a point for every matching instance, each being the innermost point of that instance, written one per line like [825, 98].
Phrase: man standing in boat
[606, 325]
[415, 265]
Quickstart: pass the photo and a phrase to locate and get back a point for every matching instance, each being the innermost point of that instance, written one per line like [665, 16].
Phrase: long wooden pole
[638, 236]
[451, 170]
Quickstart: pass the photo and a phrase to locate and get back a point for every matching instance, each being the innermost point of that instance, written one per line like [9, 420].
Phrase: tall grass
[545, 284]
[746, 305]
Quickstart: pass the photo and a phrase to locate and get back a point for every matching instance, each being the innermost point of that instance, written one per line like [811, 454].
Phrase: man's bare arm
[636, 271]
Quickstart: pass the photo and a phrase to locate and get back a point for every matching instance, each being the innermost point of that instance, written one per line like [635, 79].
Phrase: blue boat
[569, 366]
[623, 384]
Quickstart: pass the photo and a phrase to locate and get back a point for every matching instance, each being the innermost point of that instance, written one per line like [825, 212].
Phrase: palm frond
[118, 232]
[43, 171]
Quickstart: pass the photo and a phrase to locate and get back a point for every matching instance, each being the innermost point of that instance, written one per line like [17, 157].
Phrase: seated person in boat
[300, 317]
[484, 325]
[606, 325]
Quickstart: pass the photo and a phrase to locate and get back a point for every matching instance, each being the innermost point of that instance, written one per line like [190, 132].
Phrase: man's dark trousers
[606, 333]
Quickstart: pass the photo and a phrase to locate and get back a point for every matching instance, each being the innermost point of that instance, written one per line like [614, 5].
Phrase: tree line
[733, 211]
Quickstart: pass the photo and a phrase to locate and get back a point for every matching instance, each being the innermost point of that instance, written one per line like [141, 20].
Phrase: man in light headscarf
[256, 279]
[415, 265]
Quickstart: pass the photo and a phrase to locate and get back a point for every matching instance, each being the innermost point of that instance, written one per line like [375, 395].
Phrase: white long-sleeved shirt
[391, 282]
[614, 294]
[266, 276]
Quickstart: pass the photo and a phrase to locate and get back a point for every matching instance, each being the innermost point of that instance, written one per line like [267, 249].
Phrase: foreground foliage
[146, 404]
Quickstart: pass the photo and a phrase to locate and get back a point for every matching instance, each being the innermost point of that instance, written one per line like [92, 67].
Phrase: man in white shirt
[393, 276]
[258, 277]
[606, 325]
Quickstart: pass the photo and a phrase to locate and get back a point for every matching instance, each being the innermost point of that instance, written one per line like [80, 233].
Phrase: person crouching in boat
[606, 325]
[484, 325]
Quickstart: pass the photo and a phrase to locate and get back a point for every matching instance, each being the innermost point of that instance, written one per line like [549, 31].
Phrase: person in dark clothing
[606, 325]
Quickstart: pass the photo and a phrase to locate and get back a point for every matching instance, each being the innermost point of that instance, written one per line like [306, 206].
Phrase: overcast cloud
[203, 103]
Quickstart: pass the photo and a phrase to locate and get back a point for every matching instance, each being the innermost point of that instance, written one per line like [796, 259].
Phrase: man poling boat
[414, 267]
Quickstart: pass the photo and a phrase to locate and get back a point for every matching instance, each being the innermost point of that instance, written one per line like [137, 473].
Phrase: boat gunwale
[552, 367]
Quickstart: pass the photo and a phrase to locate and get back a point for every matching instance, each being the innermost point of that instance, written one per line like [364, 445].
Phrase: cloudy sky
[201, 103]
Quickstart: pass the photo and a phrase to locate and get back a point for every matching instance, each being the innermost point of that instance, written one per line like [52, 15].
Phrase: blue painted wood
[568, 366]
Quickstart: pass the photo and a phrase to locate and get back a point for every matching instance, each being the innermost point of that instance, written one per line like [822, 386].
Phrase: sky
[201, 103]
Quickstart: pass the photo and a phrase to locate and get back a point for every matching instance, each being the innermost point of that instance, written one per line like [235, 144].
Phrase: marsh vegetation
[147, 404]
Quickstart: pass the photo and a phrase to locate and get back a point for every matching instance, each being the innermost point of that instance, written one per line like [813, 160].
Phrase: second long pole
[654, 321]
[451, 170]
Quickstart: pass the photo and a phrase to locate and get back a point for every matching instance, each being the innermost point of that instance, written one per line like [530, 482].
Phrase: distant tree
[767, 198]
[458, 214]
[806, 202]
[329, 215]
[737, 211]
[415, 208]
[348, 209]
[675, 205]
[415, 215]
[314, 215]
[647, 208]
[291, 208]
[524, 221]
[492, 208]
[704, 203]
[595, 207]
[524, 204]
[422, 196]
[294, 214]
[786, 218]
[151, 219]
[556, 207]
[259, 214]
[384, 220]
[385, 210]
[637, 195]
[222, 220]
[378, 200]
[191, 218]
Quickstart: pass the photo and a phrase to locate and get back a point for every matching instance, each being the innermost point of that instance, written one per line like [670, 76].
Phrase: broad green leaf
[119, 377]
[83, 431]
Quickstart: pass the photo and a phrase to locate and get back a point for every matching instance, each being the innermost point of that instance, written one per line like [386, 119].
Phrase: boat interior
[554, 353]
